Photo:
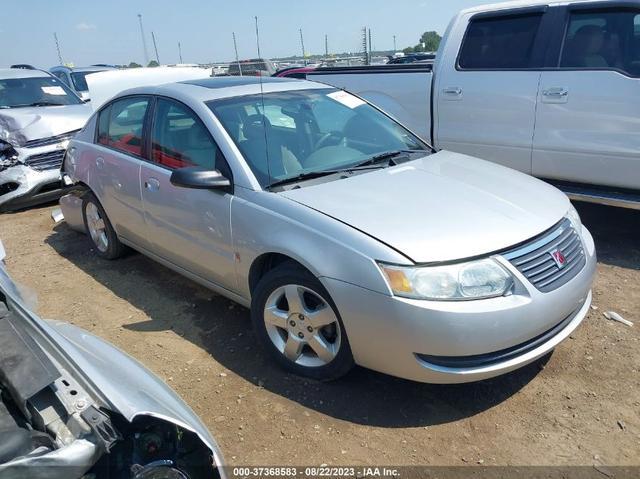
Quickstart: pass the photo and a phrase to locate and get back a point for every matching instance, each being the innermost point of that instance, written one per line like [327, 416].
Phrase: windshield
[293, 133]
[79, 80]
[44, 91]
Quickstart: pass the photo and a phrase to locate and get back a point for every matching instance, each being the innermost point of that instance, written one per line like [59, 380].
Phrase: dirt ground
[580, 406]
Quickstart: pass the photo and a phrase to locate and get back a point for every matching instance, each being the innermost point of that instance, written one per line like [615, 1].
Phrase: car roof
[519, 4]
[215, 88]
[6, 73]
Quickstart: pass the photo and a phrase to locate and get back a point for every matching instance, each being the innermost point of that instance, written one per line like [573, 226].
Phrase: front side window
[35, 91]
[603, 39]
[120, 125]
[500, 43]
[285, 134]
[179, 138]
[79, 80]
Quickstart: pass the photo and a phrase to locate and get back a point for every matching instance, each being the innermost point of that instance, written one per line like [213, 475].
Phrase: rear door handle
[100, 162]
[152, 184]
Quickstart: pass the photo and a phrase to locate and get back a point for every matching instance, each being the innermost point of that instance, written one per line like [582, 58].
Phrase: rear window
[120, 125]
[500, 43]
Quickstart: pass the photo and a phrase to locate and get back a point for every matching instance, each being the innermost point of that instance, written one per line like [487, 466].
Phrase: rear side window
[180, 139]
[120, 125]
[500, 43]
[603, 39]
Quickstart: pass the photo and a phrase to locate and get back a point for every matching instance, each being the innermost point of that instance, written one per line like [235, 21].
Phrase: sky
[91, 31]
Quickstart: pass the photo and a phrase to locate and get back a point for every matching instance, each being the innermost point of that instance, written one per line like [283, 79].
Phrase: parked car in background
[351, 240]
[253, 67]
[73, 406]
[549, 88]
[412, 58]
[294, 72]
[38, 116]
[76, 77]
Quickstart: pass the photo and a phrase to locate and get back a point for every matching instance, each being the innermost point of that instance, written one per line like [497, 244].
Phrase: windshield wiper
[318, 174]
[38, 103]
[387, 155]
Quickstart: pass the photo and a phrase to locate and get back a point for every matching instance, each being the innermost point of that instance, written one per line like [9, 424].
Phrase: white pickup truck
[549, 88]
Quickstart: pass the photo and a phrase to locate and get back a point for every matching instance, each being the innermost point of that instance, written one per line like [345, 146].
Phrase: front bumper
[468, 341]
[29, 187]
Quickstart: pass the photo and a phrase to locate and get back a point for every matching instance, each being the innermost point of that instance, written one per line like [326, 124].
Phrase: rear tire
[99, 229]
[298, 324]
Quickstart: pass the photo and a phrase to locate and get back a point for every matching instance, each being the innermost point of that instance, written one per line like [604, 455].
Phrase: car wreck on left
[73, 406]
[39, 114]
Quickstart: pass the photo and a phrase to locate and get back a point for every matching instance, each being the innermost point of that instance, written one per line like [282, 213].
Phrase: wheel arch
[266, 262]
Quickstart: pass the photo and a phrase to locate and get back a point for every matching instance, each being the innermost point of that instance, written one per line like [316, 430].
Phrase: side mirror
[199, 178]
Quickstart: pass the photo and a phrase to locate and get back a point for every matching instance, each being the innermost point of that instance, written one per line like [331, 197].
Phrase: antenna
[180, 52]
[144, 43]
[155, 47]
[55, 36]
[235, 47]
[264, 126]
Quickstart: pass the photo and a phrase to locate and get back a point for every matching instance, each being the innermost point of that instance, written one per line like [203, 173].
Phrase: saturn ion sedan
[351, 239]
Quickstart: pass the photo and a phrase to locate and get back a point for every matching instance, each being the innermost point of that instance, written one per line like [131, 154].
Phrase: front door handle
[100, 162]
[152, 184]
[555, 95]
[452, 93]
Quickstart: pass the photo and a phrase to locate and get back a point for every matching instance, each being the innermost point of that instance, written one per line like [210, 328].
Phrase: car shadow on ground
[223, 329]
[616, 232]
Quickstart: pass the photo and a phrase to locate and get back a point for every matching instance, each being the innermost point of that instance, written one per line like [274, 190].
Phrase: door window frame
[540, 44]
[594, 7]
[148, 132]
[144, 125]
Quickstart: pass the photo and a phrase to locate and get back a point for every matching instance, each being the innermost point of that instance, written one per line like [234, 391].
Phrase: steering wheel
[327, 139]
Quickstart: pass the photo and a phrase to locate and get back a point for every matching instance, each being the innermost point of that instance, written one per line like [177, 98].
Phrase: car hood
[442, 207]
[19, 125]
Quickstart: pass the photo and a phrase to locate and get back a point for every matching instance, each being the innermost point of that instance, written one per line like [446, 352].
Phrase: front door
[589, 105]
[187, 227]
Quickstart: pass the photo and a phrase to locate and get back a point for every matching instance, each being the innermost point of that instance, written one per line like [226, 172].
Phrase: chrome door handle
[555, 93]
[100, 162]
[455, 91]
[152, 184]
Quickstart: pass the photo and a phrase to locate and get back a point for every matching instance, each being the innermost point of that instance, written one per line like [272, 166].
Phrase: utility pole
[326, 45]
[155, 47]
[257, 38]
[55, 36]
[302, 44]
[370, 49]
[180, 52]
[235, 47]
[144, 43]
[364, 46]
[394, 44]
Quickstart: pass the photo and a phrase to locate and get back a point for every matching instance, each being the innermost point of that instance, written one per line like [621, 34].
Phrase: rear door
[486, 85]
[589, 103]
[187, 227]
[118, 157]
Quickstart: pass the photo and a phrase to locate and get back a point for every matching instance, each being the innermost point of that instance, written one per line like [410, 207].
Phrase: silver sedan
[351, 240]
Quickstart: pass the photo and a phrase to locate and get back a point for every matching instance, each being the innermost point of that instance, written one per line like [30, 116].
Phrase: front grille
[536, 262]
[52, 140]
[46, 161]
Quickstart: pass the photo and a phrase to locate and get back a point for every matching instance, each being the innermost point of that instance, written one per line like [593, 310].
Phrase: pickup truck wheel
[98, 227]
[299, 325]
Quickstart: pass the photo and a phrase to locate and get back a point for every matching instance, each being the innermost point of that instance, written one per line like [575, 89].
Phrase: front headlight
[575, 220]
[480, 279]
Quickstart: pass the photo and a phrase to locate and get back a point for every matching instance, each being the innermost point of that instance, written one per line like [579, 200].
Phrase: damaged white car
[73, 406]
[38, 116]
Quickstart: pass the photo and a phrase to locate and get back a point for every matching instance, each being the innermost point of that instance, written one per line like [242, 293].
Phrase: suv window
[120, 125]
[180, 139]
[500, 43]
[603, 39]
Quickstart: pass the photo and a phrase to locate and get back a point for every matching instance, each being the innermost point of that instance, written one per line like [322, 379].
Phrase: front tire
[99, 229]
[297, 322]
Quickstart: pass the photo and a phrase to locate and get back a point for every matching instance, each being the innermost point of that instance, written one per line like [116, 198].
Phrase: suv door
[190, 228]
[486, 89]
[118, 156]
[589, 105]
